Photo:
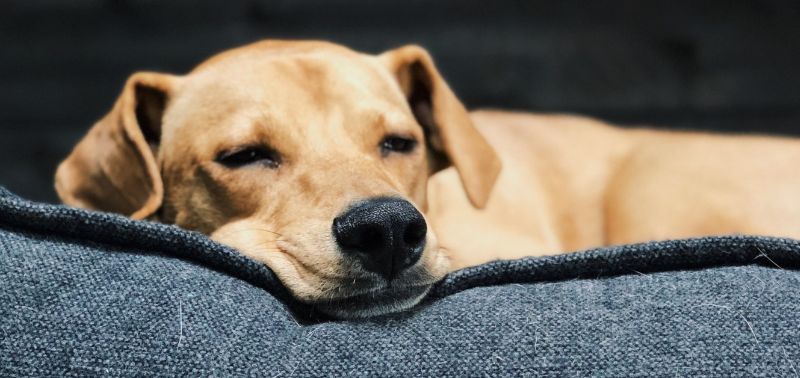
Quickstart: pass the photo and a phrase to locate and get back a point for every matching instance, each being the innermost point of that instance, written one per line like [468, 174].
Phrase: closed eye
[249, 155]
[398, 144]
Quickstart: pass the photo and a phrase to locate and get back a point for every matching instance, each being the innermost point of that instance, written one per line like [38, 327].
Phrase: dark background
[717, 65]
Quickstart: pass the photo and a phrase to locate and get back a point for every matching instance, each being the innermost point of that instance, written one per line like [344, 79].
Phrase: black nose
[386, 234]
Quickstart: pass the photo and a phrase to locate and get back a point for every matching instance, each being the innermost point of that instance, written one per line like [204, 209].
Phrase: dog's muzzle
[387, 235]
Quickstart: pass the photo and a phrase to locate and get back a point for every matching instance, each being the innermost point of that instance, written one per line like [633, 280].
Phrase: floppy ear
[113, 168]
[448, 127]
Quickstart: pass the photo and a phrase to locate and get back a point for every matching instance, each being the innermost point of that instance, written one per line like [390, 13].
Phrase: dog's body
[319, 161]
[570, 183]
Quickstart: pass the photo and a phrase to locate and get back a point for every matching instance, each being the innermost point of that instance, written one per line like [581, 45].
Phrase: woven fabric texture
[87, 293]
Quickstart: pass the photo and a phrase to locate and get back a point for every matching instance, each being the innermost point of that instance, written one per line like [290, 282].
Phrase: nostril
[415, 233]
[364, 237]
[371, 238]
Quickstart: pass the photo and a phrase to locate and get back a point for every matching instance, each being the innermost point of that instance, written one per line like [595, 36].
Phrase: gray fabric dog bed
[96, 294]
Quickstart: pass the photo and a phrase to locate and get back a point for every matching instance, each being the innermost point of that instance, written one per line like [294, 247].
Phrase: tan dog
[318, 161]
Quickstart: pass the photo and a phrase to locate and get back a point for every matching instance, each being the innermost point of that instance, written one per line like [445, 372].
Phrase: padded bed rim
[643, 258]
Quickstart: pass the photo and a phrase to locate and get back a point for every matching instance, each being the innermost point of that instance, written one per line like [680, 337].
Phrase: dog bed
[86, 293]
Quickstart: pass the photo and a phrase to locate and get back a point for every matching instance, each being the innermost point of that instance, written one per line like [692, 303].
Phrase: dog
[361, 180]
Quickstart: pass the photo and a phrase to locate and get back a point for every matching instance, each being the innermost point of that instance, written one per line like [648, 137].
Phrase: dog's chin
[382, 301]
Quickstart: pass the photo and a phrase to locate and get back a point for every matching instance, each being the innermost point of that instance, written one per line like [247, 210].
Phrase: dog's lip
[360, 286]
[375, 302]
[377, 289]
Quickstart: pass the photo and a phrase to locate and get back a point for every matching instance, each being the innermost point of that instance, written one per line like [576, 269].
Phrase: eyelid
[400, 134]
[387, 147]
[228, 151]
[232, 148]
[263, 153]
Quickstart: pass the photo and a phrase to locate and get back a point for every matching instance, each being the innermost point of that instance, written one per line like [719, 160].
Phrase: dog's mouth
[379, 301]
[369, 296]
[355, 293]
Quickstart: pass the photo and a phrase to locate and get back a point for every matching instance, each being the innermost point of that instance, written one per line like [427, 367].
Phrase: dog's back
[573, 183]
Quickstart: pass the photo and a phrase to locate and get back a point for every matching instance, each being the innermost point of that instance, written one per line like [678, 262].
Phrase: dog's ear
[113, 168]
[447, 124]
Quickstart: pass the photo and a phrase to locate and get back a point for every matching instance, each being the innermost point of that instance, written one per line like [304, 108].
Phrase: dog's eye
[397, 144]
[239, 157]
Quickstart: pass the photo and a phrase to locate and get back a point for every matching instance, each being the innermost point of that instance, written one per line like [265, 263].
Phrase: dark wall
[711, 64]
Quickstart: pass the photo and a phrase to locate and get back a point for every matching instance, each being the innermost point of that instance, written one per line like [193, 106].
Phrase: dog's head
[307, 156]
